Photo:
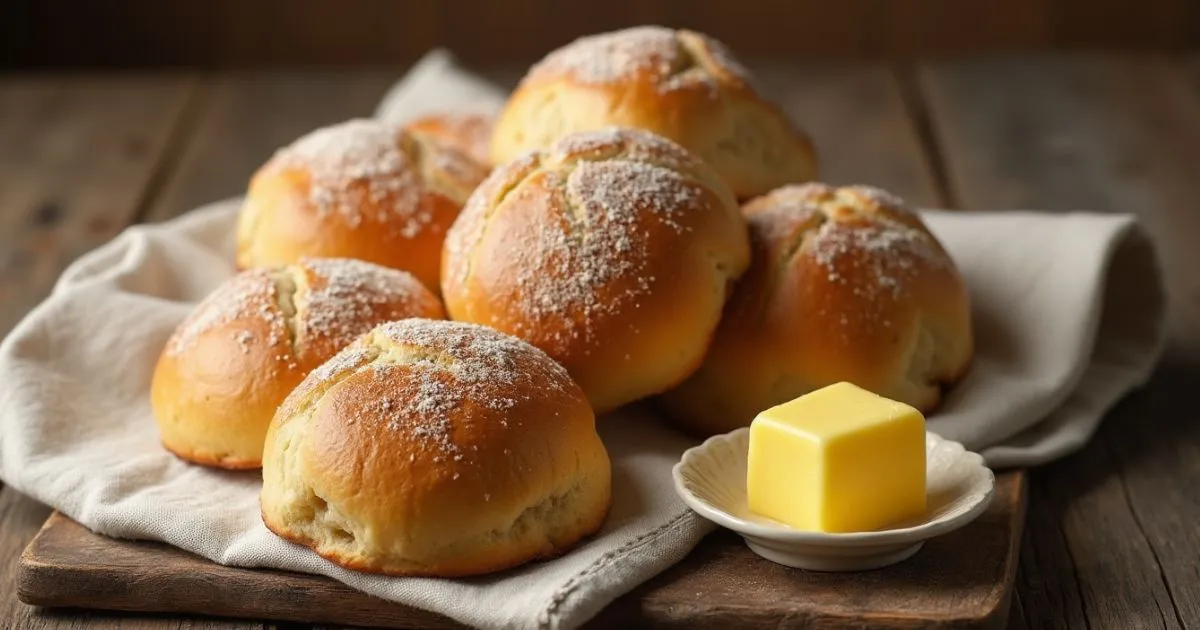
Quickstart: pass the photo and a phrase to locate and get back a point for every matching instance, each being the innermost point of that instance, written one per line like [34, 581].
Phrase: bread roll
[436, 449]
[468, 132]
[682, 85]
[234, 359]
[360, 189]
[846, 284]
[612, 250]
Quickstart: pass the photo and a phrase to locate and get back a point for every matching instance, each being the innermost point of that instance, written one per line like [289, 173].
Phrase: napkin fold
[1068, 312]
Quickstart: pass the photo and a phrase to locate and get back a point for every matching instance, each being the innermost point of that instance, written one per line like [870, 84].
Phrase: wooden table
[1113, 532]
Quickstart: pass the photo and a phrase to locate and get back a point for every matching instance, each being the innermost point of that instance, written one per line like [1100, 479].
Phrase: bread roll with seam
[432, 448]
[612, 250]
[470, 133]
[240, 352]
[846, 284]
[360, 189]
[680, 84]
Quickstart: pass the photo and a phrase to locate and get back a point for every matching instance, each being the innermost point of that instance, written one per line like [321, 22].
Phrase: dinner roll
[436, 449]
[612, 250]
[846, 284]
[680, 84]
[470, 133]
[234, 359]
[360, 189]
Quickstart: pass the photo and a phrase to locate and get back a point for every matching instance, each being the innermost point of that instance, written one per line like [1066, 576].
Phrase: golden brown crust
[224, 463]
[438, 449]
[360, 189]
[612, 251]
[478, 565]
[231, 362]
[467, 132]
[845, 284]
[680, 84]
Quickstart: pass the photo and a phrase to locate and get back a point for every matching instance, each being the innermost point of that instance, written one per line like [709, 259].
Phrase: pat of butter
[839, 459]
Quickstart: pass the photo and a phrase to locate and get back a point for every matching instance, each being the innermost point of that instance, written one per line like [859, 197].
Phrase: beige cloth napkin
[1069, 318]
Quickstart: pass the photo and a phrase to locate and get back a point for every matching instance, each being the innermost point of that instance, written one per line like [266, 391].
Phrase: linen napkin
[1068, 313]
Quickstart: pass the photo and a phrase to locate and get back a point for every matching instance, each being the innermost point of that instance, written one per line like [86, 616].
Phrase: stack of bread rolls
[637, 223]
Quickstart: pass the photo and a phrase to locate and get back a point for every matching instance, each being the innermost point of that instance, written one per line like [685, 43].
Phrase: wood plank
[244, 118]
[1092, 132]
[77, 155]
[20, 519]
[1155, 438]
[1109, 134]
[722, 585]
[962, 579]
[859, 122]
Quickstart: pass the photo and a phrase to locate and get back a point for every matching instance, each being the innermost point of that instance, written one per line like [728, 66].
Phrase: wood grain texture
[78, 156]
[1102, 548]
[962, 579]
[1154, 438]
[242, 119]
[1082, 132]
[20, 519]
[858, 120]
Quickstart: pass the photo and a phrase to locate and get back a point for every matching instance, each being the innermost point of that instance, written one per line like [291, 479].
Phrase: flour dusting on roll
[612, 250]
[846, 284]
[360, 189]
[241, 351]
[679, 84]
[438, 449]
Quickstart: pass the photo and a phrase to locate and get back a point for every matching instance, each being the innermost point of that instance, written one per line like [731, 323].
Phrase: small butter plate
[711, 479]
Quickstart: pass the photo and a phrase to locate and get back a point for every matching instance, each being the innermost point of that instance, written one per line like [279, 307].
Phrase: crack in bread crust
[287, 281]
[515, 175]
[784, 261]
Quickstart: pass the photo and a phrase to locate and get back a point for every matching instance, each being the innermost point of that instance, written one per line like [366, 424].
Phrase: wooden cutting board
[961, 580]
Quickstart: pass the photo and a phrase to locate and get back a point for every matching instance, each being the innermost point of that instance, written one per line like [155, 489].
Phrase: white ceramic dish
[711, 479]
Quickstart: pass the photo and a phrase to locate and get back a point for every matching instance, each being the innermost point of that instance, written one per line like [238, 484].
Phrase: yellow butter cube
[839, 459]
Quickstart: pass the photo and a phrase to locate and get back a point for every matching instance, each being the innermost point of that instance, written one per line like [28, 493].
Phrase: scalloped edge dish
[711, 480]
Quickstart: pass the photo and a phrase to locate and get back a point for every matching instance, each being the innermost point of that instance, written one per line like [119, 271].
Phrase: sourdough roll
[360, 189]
[470, 133]
[436, 449]
[612, 251]
[232, 361]
[679, 84]
[846, 284]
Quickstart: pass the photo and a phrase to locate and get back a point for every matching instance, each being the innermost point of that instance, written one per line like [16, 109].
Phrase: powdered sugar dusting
[879, 196]
[634, 144]
[893, 254]
[439, 366]
[248, 295]
[359, 171]
[349, 297]
[349, 359]
[610, 57]
[573, 270]
[619, 55]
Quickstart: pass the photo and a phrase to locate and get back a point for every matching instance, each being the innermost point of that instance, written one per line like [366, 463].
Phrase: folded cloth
[1068, 313]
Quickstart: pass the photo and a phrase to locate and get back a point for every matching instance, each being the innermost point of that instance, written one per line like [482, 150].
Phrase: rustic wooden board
[76, 153]
[1111, 538]
[961, 580]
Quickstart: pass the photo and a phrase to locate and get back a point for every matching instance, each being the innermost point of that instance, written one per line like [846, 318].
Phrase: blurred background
[272, 33]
